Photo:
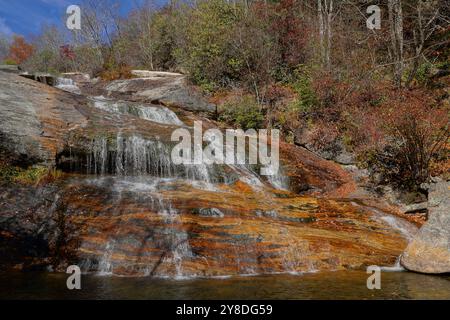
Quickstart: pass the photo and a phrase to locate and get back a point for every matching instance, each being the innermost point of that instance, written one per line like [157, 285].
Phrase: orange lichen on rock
[255, 234]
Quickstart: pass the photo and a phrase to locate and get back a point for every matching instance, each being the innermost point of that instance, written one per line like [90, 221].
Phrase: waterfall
[174, 240]
[68, 85]
[135, 156]
[278, 180]
[397, 267]
[404, 227]
[407, 229]
[105, 264]
[158, 114]
[137, 171]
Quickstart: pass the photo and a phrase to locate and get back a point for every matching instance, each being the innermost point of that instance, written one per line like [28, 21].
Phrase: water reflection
[329, 285]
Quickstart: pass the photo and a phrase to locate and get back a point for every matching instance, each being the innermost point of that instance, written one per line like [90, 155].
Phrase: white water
[143, 168]
[136, 156]
[158, 114]
[396, 268]
[406, 228]
[277, 179]
[175, 240]
[68, 85]
[105, 267]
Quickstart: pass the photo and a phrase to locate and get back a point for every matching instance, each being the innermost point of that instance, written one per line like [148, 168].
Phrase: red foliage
[20, 50]
[285, 25]
[291, 32]
[67, 52]
[276, 93]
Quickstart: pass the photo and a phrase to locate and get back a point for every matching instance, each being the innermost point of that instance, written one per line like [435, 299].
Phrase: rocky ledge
[165, 88]
[429, 252]
[121, 208]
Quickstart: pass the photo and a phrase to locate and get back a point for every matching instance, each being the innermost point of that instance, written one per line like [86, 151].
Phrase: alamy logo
[230, 150]
[74, 17]
[374, 20]
[74, 281]
[374, 281]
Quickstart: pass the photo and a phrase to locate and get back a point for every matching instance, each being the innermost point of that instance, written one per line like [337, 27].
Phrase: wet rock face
[160, 88]
[310, 174]
[33, 231]
[34, 120]
[144, 226]
[122, 208]
[429, 252]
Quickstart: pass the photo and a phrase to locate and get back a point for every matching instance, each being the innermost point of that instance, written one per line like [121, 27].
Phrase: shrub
[306, 97]
[30, 176]
[244, 113]
[415, 133]
[9, 62]
[114, 72]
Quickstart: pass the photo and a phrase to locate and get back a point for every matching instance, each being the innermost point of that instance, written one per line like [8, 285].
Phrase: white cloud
[4, 27]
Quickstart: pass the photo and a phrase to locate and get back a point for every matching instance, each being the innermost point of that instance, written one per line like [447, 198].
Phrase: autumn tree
[20, 50]
[46, 56]
[326, 13]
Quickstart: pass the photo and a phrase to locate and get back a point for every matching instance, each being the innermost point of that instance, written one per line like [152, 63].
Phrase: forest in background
[311, 68]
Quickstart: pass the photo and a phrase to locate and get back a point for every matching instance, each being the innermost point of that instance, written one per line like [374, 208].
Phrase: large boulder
[34, 120]
[10, 68]
[429, 252]
[169, 89]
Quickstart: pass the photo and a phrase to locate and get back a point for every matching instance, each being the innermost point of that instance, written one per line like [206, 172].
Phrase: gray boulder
[10, 68]
[429, 252]
[34, 120]
[210, 213]
[165, 88]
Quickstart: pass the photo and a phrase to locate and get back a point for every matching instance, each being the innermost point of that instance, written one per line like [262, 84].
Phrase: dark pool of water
[327, 285]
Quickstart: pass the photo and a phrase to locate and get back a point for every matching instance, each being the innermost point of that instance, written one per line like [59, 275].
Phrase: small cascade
[278, 180]
[105, 266]
[397, 267]
[172, 238]
[68, 85]
[138, 172]
[407, 229]
[179, 249]
[136, 156]
[158, 114]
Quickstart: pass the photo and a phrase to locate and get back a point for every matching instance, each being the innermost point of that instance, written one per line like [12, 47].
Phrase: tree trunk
[325, 10]
[396, 30]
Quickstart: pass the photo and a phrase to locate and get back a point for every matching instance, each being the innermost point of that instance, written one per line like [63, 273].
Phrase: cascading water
[136, 156]
[68, 85]
[105, 265]
[407, 229]
[134, 168]
[158, 114]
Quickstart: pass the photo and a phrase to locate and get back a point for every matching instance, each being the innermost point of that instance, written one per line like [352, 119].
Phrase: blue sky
[26, 17]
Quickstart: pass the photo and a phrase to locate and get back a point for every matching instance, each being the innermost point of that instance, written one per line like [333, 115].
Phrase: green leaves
[244, 113]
